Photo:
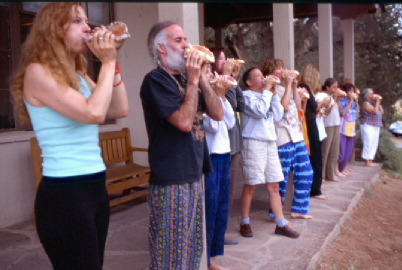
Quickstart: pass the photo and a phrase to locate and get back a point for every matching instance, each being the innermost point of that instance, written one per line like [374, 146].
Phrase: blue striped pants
[295, 156]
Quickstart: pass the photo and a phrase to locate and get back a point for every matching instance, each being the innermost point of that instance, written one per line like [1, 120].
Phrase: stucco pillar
[185, 14]
[348, 49]
[326, 59]
[284, 34]
[201, 23]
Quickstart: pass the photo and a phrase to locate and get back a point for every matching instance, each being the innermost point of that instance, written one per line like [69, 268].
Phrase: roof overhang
[221, 15]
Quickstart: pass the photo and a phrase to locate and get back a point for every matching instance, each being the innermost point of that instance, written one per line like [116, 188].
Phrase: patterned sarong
[176, 226]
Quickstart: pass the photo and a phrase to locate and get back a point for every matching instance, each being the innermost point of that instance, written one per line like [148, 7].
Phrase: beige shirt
[288, 129]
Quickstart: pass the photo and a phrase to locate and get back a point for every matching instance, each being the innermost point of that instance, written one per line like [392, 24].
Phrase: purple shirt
[370, 118]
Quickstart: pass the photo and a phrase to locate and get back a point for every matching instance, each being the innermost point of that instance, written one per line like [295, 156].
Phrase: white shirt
[260, 113]
[217, 131]
[319, 97]
[333, 118]
[289, 128]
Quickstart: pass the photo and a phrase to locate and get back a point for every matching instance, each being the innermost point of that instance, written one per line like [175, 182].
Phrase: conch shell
[341, 93]
[204, 52]
[377, 96]
[230, 81]
[303, 93]
[238, 62]
[272, 78]
[289, 71]
[119, 29]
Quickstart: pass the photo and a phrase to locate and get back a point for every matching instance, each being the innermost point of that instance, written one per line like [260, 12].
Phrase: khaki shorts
[260, 161]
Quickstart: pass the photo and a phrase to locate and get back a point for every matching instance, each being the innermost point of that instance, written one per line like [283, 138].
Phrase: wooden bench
[125, 180]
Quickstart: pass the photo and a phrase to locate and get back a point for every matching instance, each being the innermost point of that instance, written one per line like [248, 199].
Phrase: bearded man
[174, 96]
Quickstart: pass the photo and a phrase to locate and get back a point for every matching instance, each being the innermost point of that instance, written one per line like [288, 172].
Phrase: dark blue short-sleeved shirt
[175, 157]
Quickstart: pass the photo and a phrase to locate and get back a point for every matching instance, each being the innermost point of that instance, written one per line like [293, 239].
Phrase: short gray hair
[366, 93]
[157, 35]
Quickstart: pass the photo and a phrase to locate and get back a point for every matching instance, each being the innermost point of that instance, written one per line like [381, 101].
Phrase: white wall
[136, 62]
[17, 184]
[185, 14]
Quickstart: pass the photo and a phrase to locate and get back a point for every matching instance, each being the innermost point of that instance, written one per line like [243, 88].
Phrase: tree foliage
[378, 45]
[378, 49]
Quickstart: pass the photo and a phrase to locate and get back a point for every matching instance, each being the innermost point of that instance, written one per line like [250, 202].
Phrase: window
[15, 22]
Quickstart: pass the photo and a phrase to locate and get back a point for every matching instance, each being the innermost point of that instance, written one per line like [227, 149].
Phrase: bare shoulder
[37, 75]
[39, 84]
[35, 71]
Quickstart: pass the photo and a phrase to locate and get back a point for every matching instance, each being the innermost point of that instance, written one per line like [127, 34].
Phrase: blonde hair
[46, 45]
[311, 76]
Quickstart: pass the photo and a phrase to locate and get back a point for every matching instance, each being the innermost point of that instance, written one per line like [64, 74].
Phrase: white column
[284, 34]
[135, 62]
[326, 59]
[349, 49]
[185, 14]
[201, 23]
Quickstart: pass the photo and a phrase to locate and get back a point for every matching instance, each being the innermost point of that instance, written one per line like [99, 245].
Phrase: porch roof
[221, 15]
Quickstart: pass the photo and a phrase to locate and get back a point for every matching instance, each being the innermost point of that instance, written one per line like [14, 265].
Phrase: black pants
[72, 220]
[315, 157]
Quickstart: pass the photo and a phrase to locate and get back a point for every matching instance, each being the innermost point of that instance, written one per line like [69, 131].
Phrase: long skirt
[176, 226]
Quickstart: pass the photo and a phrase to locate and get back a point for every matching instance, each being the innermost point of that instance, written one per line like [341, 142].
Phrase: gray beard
[175, 60]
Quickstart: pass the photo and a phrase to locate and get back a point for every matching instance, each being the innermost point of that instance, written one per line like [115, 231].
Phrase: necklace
[181, 88]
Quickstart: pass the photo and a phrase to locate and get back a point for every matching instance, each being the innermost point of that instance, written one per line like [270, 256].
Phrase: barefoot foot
[215, 266]
[339, 174]
[300, 216]
[334, 180]
[320, 197]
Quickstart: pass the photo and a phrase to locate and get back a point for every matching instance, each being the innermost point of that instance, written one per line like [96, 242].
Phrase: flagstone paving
[127, 243]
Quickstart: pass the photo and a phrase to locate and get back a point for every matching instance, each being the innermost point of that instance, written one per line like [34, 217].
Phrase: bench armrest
[133, 149]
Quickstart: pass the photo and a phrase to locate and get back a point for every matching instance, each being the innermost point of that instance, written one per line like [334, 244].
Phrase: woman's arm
[370, 108]
[41, 89]
[118, 107]
[296, 96]
[285, 101]
[229, 115]
[213, 104]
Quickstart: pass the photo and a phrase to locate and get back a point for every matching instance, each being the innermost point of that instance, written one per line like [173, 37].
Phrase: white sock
[245, 221]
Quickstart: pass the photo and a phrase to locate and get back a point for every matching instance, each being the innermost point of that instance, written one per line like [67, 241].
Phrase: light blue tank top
[69, 147]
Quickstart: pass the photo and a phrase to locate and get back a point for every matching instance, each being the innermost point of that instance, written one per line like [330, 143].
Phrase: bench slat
[122, 174]
[131, 196]
[122, 185]
[126, 171]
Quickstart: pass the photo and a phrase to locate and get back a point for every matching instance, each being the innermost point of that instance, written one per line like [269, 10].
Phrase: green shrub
[388, 154]
[397, 117]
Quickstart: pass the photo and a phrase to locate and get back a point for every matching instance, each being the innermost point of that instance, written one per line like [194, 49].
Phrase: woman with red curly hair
[65, 108]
